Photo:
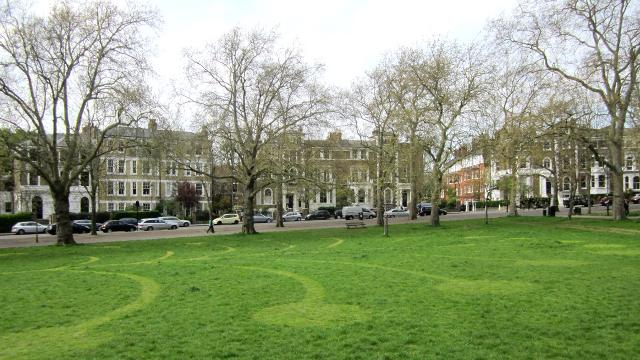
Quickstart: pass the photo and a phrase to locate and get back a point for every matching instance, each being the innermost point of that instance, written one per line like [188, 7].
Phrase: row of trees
[548, 69]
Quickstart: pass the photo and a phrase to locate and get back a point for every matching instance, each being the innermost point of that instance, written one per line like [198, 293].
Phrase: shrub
[330, 209]
[132, 214]
[8, 220]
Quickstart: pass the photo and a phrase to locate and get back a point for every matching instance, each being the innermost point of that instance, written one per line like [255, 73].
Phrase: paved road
[11, 241]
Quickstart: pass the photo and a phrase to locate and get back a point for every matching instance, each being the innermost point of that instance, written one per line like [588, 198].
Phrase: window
[593, 181]
[121, 206]
[146, 207]
[168, 190]
[199, 189]
[134, 188]
[84, 178]
[636, 183]
[363, 154]
[199, 168]
[601, 181]
[120, 166]
[629, 163]
[110, 166]
[566, 184]
[146, 168]
[33, 179]
[146, 188]
[546, 145]
[583, 182]
[110, 188]
[8, 207]
[134, 167]
[583, 164]
[546, 163]
[120, 187]
[110, 207]
[323, 197]
[187, 169]
[268, 196]
[626, 183]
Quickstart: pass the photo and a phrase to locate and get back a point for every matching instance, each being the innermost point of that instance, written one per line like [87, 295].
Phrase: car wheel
[149, 228]
[20, 232]
[219, 222]
[235, 222]
[269, 220]
[298, 219]
[130, 229]
[185, 225]
[109, 231]
[174, 227]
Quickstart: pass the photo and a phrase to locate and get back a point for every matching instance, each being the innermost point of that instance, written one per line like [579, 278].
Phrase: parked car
[77, 228]
[635, 198]
[318, 214]
[368, 213]
[259, 218]
[578, 200]
[175, 220]
[292, 216]
[424, 209]
[396, 213]
[87, 223]
[132, 221]
[606, 200]
[227, 219]
[352, 212]
[117, 225]
[155, 224]
[337, 214]
[28, 227]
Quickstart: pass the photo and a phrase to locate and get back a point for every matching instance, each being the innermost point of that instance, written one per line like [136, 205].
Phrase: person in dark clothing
[210, 228]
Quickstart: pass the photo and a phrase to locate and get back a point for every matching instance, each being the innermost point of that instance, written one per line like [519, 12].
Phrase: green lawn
[518, 288]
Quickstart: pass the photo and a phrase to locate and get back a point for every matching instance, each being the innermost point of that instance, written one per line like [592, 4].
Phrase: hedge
[8, 220]
[135, 214]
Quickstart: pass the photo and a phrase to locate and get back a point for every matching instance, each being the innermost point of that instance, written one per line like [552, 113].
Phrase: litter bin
[577, 210]
[544, 212]
[552, 210]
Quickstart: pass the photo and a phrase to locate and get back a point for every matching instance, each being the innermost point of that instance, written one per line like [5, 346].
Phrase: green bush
[492, 203]
[330, 209]
[133, 214]
[8, 220]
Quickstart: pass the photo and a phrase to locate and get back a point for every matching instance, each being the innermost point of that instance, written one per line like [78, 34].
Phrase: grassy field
[517, 288]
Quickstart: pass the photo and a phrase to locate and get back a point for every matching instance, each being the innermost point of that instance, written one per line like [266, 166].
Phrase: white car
[175, 220]
[396, 213]
[292, 216]
[155, 224]
[28, 227]
[227, 219]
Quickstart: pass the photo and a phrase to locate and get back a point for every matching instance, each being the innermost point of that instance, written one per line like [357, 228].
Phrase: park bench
[355, 224]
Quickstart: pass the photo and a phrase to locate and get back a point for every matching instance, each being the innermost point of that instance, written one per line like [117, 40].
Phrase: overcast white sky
[347, 36]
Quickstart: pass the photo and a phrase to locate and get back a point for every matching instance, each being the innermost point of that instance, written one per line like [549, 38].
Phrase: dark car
[424, 209]
[117, 225]
[338, 214]
[87, 223]
[318, 215]
[132, 221]
[77, 228]
[578, 200]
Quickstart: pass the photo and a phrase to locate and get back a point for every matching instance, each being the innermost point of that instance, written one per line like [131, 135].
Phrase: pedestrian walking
[210, 228]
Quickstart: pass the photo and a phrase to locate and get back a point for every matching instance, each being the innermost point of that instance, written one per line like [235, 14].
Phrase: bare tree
[593, 44]
[371, 105]
[452, 77]
[254, 93]
[53, 69]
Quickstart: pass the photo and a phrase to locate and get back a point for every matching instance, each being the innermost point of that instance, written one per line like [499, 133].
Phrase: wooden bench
[355, 224]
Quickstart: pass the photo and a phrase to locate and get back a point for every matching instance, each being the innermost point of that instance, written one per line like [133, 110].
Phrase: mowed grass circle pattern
[517, 288]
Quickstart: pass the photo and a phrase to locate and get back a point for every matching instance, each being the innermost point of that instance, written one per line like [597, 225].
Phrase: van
[352, 212]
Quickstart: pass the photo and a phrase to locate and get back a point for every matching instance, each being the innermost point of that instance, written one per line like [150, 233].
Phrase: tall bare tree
[452, 77]
[593, 44]
[255, 92]
[53, 69]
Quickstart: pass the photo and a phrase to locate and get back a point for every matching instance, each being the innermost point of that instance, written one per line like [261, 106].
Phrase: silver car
[292, 216]
[155, 224]
[259, 218]
[175, 220]
[28, 227]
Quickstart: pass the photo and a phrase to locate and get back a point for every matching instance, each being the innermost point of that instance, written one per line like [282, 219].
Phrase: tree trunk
[93, 212]
[513, 195]
[279, 205]
[64, 230]
[435, 200]
[249, 200]
[413, 171]
[617, 185]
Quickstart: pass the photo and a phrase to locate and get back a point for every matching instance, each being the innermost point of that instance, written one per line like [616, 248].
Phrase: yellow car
[227, 219]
